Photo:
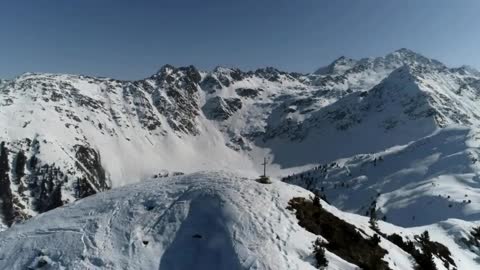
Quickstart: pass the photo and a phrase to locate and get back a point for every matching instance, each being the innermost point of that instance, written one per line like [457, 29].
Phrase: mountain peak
[338, 66]
[165, 69]
[405, 51]
[223, 69]
[406, 56]
[270, 70]
[467, 70]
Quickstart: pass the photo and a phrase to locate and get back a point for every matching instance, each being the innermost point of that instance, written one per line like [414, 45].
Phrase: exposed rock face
[176, 97]
[29, 185]
[248, 92]
[95, 180]
[210, 84]
[144, 109]
[218, 108]
[6, 196]
[339, 66]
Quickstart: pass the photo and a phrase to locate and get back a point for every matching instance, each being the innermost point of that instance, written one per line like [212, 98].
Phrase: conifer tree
[319, 253]
[373, 219]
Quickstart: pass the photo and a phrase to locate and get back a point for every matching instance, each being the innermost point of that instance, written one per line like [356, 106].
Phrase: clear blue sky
[132, 39]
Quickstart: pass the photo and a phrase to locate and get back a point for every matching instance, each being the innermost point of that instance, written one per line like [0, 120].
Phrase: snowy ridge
[204, 221]
[215, 220]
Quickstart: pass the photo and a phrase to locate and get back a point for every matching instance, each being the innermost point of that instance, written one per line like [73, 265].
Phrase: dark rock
[218, 108]
[209, 84]
[180, 105]
[248, 92]
[88, 160]
[5, 190]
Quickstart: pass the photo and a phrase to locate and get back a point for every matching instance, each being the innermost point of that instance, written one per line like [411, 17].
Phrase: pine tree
[425, 259]
[424, 238]
[375, 240]
[319, 253]
[316, 201]
[373, 220]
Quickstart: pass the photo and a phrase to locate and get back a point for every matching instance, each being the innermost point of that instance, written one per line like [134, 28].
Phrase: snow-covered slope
[200, 221]
[213, 220]
[67, 136]
[426, 181]
[410, 145]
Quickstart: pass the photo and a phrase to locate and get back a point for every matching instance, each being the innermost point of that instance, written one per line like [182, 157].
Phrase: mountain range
[395, 136]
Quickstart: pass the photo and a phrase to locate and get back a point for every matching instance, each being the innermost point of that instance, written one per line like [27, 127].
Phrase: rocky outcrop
[248, 92]
[176, 97]
[220, 109]
[29, 184]
[89, 161]
[8, 211]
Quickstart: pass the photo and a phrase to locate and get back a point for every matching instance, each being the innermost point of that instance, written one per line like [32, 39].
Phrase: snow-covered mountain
[409, 144]
[213, 220]
[397, 134]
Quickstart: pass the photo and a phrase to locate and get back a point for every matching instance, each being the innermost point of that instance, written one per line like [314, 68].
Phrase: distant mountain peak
[467, 70]
[407, 56]
[405, 51]
[338, 66]
[224, 69]
[270, 70]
